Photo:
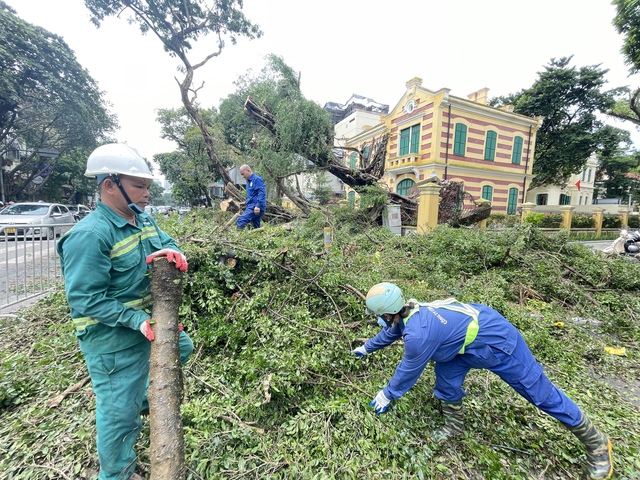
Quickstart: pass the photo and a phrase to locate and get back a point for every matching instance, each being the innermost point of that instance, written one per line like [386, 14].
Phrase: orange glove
[146, 330]
[172, 256]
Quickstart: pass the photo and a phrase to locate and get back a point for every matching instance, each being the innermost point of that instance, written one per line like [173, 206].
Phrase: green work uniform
[103, 260]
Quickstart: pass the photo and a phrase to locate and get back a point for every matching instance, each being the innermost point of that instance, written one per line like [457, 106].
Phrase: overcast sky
[342, 47]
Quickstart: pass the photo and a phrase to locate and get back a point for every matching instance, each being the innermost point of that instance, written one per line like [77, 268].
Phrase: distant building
[579, 190]
[433, 133]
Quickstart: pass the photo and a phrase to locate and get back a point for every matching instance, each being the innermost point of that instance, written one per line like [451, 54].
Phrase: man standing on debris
[256, 202]
[459, 337]
[105, 261]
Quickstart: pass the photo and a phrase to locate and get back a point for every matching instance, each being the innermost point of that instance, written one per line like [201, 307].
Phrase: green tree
[156, 193]
[627, 23]
[48, 101]
[188, 168]
[179, 24]
[569, 100]
[303, 130]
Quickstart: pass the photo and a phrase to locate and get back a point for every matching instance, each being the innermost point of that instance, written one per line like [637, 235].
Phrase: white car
[35, 220]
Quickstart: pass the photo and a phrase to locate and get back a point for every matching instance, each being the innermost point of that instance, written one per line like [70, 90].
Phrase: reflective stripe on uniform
[455, 306]
[139, 304]
[129, 243]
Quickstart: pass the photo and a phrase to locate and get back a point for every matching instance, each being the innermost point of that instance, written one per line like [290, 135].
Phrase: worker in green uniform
[105, 263]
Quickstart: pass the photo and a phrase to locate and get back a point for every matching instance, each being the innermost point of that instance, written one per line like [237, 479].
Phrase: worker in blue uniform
[256, 202]
[459, 337]
[105, 264]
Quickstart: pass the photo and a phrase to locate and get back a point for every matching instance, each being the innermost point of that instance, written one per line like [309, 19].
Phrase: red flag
[578, 185]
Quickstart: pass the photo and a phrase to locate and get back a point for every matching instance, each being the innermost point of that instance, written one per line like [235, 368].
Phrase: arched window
[460, 139]
[513, 201]
[487, 192]
[404, 186]
[490, 145]
[516, 156]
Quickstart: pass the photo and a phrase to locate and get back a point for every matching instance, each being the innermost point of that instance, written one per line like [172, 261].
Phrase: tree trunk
[165, 375]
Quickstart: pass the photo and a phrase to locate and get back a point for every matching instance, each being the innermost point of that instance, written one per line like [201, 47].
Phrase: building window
[516, 156]
[460, 140]
[584, 173]
[490, 146]
[367, 151]
[352, 198]
[352, 160]
[565, 199]
[588, 175]
[487, 192]
[542, 199]
[404, 186]
[513, 201]
[409, 140]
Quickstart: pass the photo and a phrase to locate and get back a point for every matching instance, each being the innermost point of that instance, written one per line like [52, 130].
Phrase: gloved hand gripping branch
[172, 256]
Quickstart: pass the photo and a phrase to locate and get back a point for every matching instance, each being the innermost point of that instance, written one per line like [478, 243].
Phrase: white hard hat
[116, 158]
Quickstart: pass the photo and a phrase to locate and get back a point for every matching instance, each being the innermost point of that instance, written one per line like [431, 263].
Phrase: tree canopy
[569, 100]
[627, 23]
[188, 168]
[48, 101]
[179, 24]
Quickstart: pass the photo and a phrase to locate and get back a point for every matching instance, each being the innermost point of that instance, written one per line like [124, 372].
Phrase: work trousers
[119, 382]
[249, 217]
[518, 368]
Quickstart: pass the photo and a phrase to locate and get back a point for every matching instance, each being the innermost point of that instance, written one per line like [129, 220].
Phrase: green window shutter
[404, 186]
[565, 199]
[513, 201]
[487, 192]
[352, 198]
[367, 151]
[415, 139]
[404, 141]
[490, 146]
[460, 140]
[352, 160]
[517, 151]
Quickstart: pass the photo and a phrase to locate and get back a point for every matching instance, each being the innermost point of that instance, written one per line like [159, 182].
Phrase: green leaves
[282, 321]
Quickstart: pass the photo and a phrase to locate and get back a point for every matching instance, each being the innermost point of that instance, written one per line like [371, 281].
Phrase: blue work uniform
[103, 260]
[439, 334]
[256, 197]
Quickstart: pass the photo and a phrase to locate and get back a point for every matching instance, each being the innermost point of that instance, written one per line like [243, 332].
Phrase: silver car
[34, 220]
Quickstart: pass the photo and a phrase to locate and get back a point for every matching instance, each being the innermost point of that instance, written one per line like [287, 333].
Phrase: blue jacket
[438, 334]
[256, 193]
[103, 260]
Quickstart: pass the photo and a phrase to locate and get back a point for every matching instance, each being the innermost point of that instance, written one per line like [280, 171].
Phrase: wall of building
[435, 114]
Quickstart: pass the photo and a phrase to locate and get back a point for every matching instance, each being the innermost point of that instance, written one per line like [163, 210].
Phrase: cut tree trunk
[165, 375]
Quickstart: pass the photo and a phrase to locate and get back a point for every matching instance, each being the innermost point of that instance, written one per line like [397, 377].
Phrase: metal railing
[29, 264]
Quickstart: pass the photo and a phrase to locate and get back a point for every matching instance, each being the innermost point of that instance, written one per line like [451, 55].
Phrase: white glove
[360, 351]
[380, 403]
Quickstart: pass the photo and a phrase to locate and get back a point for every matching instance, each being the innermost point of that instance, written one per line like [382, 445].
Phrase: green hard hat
[384, 298]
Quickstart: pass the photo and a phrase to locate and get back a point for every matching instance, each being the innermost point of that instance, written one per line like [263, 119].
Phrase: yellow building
[432, 133]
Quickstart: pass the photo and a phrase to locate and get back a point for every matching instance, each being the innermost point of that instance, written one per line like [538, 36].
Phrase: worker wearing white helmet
[105, 263]
[458, 337]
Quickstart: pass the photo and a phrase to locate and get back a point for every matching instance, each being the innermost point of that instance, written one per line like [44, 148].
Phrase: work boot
[453, 422]
[599, 455]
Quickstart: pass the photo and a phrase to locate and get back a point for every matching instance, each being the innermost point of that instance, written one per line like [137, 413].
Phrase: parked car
[79, 211]
[34, 220]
